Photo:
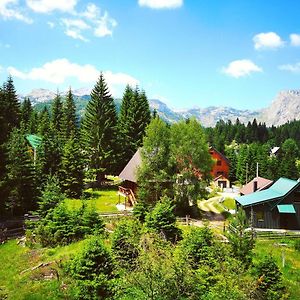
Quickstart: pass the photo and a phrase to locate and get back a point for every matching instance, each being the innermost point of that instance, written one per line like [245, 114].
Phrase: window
[260, 216]
[219, 162]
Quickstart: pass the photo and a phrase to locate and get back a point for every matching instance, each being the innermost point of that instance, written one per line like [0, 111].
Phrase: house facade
[220, 170]
[277, 207]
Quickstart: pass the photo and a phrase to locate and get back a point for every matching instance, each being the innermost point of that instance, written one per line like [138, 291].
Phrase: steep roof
[220, 154]
[130, 171]
[278, 191]
[262, 184]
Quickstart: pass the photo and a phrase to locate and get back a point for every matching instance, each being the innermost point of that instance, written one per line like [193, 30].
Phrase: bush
[125, 243]
[93, 271]
[297, 245]
[197, 245]
[163, 221]
[269, 281]
[62, 226]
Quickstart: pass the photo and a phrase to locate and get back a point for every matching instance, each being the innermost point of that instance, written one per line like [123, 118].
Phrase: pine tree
[20, 175]
[69, 116]
[57, 114]
[134, 117]
[141, 116]
[12, 105]
[72, 169]
[26, 112]
[43, 122]
[99, 130]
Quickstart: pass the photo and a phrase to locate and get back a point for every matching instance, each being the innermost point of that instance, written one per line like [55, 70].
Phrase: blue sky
[186, 53]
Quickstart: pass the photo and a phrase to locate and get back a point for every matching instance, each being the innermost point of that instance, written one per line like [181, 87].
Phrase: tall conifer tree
[20, 175]
[69, 116]
[99, 130]
[57, 114]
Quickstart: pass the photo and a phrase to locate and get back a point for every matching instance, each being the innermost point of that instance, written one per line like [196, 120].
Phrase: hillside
[285, 107]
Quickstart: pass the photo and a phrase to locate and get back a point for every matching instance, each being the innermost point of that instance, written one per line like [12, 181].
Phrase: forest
[146, 255]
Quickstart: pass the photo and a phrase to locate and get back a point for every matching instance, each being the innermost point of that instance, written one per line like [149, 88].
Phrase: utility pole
[246, 173]
[257, 170]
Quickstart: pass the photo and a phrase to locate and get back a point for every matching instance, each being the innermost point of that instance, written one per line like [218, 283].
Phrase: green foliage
[51, 197]
[72, 168]
[62, 226]
[154, 177]
[297, 245]
[163, 221]
[125, 243]
[57, 114]
[269, 279]
[93, 271]
[197, 245]
[20, 177]
[241, 240]
[69, 119]
[189, 154]
[99, 133]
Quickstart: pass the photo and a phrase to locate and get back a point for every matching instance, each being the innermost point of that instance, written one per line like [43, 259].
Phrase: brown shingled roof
[262, 183]
[130, 171]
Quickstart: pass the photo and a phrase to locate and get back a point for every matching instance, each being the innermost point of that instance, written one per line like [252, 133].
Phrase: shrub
[125, 243]
[62, 226]
[92, 269]
[297, 245]
[163, 221]
[269, 281]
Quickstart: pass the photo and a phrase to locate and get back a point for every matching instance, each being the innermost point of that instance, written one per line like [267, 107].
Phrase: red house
[220, 170]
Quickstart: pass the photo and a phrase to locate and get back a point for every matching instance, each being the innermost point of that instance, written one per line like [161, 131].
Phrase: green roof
[286, 209]
[278, 190]
[34, 140]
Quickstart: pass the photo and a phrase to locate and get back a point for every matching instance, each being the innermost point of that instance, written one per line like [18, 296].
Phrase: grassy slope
[29, 285]
[291, 271]
[102, 200]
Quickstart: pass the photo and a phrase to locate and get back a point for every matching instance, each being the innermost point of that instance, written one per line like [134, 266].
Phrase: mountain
[285, 107]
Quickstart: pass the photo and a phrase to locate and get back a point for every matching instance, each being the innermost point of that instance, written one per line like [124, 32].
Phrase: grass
[18, 281]
[229, 203]
[104, 200]
[291, 270]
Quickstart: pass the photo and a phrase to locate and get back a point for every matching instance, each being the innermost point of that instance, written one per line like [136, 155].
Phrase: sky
[187, 53]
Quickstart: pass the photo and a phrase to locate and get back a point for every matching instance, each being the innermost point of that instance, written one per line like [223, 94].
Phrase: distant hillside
[285, 107]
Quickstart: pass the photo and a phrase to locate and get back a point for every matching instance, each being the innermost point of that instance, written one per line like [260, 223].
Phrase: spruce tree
[12, 105]
[99, 131]
[57, 114]
[72, 169]
[20, 175]
[26, 112]
[43, 122]
[69, 116]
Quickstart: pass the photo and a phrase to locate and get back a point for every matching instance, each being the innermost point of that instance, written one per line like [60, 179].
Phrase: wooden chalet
[256, 184]
[220, 170]
[277, 207]
[129, 175]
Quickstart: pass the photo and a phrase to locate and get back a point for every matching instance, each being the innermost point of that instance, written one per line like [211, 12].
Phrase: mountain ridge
[284, 107]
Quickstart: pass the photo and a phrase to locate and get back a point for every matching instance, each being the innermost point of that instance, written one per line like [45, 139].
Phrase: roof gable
[262, 184]
[130, 171]
[222, 156]
[279, 190]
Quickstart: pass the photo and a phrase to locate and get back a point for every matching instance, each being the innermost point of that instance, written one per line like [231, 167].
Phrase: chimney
[255, 186]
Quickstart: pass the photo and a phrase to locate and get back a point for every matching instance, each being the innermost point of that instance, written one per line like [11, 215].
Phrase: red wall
[223, 168]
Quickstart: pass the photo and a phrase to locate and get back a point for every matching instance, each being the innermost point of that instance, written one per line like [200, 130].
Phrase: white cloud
[58, 71]
[46, 6]
[295, 39]
[104, 25]
[161, 4]
[9, 10]
[241, 68]
[268, 40]
[74, 27]
[291, 68]
[51, 24]
[92, 20]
